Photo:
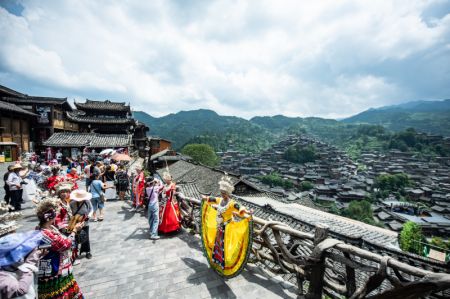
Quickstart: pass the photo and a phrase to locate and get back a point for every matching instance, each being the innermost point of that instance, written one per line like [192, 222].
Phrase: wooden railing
[320, 265]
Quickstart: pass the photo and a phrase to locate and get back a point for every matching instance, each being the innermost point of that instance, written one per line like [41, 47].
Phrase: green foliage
[361, 211]
[201, 153]
[306, 186]
[438, 242]
[300, 154]
[395, 182]
[274, 179]
[425, 116]
[410, 238]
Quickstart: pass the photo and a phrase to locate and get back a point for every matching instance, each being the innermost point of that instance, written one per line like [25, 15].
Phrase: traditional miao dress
[226, 238]
[55, 278]
[138, 189]
[63, 217]
[53, 181]
[169, 212]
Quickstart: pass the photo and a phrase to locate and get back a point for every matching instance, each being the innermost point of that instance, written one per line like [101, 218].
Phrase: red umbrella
[121, 157]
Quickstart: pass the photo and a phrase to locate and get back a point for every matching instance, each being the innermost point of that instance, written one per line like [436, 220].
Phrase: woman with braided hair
[55, 278]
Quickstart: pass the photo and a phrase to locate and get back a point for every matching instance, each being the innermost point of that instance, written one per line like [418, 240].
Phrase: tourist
[138, 188]
[59, 157]
[152, 193]
[98, 197]
[88, 173]
[122, 182]
[108, 179]
[15, 183]
[55, 278]
[73, 177]
[169, 213]
[81, 207]
[6, 186]
[19, 259]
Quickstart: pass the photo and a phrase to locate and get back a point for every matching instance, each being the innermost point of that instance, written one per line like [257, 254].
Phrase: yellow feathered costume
[226, 235]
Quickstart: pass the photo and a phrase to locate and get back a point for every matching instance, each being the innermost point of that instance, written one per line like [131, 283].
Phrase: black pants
[7, 194]
[16, 199]
[86, 246]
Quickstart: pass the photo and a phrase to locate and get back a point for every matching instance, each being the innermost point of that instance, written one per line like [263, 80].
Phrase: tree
[361, 211]
[410, 237]
[300, 154]
[201, 153]
[306, 186]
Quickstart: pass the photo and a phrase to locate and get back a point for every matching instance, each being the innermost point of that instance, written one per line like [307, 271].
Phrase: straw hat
[80, 195]
[16, 166]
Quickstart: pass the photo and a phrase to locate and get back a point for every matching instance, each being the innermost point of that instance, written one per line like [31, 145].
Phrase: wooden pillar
[318, 269]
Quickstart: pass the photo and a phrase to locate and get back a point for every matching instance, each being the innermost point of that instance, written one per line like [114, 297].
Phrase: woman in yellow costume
[226, 231]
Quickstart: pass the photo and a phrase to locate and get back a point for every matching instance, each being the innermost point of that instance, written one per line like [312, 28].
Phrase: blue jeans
[153, 217]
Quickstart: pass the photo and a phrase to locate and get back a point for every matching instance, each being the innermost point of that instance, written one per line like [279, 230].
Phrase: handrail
[327, 265]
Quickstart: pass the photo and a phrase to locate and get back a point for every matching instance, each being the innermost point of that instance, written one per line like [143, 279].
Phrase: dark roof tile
[14, 108]
[68, 139]
[103, 105]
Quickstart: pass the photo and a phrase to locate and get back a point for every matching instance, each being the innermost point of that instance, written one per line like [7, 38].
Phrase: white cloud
[323, 58]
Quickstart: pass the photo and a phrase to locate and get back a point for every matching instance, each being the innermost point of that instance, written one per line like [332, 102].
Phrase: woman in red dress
[73, 177]
[54, 180]
[169, 213]
[138, 188]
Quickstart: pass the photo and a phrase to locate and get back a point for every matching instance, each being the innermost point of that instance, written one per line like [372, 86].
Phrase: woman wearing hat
[65, 213]
[55, 280]
[82, 209]
[15, 182]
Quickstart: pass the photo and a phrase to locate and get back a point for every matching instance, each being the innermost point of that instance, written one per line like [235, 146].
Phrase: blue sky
[245, 58]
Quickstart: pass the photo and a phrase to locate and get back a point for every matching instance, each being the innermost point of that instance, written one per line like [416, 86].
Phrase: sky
[322, 58]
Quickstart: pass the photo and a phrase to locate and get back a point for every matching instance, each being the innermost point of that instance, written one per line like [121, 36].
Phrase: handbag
[102, 195]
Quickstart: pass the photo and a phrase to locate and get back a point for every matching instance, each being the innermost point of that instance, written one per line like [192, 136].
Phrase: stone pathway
[126, 264]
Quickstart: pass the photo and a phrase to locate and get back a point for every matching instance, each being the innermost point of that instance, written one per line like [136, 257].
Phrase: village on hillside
[44, 128]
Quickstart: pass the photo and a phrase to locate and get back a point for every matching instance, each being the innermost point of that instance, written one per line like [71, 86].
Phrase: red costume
[53, 181]
[73, 179]
[138, 189]
[169, 213]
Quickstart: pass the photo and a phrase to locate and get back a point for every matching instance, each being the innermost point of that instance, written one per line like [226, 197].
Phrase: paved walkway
[126, 264]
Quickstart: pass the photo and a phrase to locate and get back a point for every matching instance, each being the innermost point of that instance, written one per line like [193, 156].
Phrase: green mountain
[206, 126]
[424, 116]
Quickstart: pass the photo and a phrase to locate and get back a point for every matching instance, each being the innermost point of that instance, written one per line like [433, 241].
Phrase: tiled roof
[68, 139]
[10, 92]
[102, 105]
[14, 108]
[76, 117]
[206, 178]
[37, 100]
[338, 224]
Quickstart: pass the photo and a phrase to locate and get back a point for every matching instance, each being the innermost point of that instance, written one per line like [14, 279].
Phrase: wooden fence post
[318, 269]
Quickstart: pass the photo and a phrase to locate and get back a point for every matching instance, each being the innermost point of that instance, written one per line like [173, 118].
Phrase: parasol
[121, 157]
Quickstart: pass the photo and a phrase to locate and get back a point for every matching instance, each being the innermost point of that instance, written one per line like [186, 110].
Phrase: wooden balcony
[65, 125]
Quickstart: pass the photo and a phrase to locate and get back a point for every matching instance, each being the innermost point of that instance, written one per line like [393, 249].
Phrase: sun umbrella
[107, 151]
[14, 247]
[121, 157]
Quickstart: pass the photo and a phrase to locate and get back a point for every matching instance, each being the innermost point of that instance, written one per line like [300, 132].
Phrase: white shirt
[13, 180]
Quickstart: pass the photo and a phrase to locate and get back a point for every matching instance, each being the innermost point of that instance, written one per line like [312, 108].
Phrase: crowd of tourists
[65, 211]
